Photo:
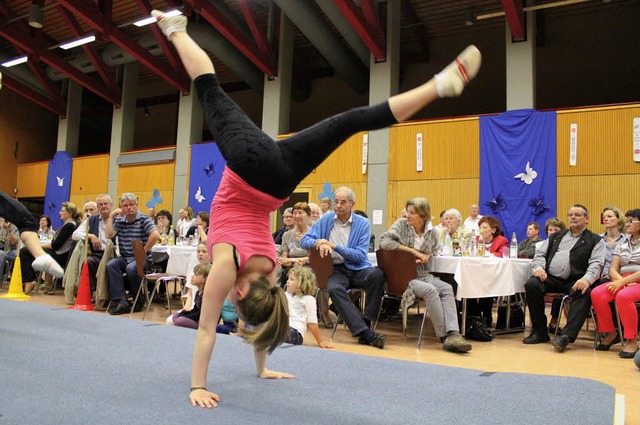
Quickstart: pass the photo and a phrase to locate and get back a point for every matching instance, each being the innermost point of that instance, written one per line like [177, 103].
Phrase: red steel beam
[34, 96]
[47, 56]
[260, 37]
[369, 12]
[235, 37]
[371, 38]
[96, 20]
[90, 51]
[515, 18]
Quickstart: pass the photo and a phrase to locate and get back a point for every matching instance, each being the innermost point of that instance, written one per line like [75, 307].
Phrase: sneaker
[452, 80]
[171, 24]
[46, 263]
[456, 344]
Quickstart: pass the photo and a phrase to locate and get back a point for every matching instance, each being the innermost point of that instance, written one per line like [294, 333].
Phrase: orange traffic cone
[83, 300]
[15, 287]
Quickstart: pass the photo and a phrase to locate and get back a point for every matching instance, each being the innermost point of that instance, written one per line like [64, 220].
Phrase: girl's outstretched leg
[448, 83]
[195, 60]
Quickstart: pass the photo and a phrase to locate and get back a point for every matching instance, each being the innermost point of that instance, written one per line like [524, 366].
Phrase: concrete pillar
[384, 82]
[521, 68]
[123, 124]
[190, 123]
[69, 126]
[276, 104]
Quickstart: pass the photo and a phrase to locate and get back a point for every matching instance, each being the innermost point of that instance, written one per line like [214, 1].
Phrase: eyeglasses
[575, 215]
[633, 221]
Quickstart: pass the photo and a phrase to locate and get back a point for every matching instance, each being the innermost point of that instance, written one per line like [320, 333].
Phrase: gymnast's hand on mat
[204, 398]
[272, 374]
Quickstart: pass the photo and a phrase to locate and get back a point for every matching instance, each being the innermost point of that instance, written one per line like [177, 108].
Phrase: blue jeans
[341, 280]
[4, 257]
[116, 268]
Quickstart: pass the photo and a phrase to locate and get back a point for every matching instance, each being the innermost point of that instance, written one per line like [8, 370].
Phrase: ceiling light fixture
[470, 19]
[14, 62]
[78, 42]
[146, 111]
[35, 15]
[152, 19]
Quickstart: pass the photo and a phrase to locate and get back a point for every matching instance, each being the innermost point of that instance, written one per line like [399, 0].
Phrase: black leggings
[13, 211]
[276, 168]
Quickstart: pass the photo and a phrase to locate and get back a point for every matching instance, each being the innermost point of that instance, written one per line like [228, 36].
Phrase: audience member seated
[614, 233]
[203, 258]
[164, 220]
[570, 261]
[97, 238]
[453, 220]
[189, 318]
[473, 221]
[345, 237]
[325, 205]
[128, 224]
[316, 212]
[439, 228]
[291, 252]
[301, 288]
[9, 236]
[200, 230]
[90, 208]
[551, 226]
[527, 248]
[186, 221]
[495, 246]
[623, 289]
[45, 232]
[372, 238]
[415, 234]
[287, 219]
[151, 213]
[58, 248]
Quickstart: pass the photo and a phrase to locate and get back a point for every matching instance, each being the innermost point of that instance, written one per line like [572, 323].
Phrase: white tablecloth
[480, 277]
[182, 259]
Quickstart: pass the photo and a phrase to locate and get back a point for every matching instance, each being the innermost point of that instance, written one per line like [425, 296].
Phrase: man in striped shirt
[129, 224]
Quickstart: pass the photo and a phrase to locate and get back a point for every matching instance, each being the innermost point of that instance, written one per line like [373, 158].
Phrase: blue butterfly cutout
[209, 170]
[538, 206]
[327, 192]
[51, 206]
[496, 204]
[155, 200]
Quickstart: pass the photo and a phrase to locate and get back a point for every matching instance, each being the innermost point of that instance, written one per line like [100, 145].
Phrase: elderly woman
[415, 234]
[495, 244]
[453, 224]
[325, 204]
[623, 289]
[316, 213]
[58, 248]
[614, 229]
[45, 232]
[291, 254]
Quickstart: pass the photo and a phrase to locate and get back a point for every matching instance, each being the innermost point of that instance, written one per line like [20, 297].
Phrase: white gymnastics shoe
[452, 80]
[46, 263]
[171, 24]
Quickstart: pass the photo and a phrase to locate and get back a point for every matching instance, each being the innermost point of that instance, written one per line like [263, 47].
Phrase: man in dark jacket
[570, 262]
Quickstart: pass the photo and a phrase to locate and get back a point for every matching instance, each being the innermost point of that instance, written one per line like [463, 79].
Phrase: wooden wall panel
[32, 179]
[442, 194]
[597, 192]
[451, 149]
[605, 141]
[89, 177]
[144, 179]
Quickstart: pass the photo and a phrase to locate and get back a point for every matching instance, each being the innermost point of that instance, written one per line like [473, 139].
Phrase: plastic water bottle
[513, 247]
[171, 240]
[447, 247]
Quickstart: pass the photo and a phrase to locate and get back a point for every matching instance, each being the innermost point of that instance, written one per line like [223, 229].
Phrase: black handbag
[477, 330]
[516, 319]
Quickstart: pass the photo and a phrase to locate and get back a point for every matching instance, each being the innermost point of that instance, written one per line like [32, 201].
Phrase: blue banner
[207, 165]
[518, 169]
[58, 186]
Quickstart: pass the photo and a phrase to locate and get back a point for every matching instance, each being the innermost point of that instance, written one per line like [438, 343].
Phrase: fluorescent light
[14, 62]
[78, 42]
[153, 20]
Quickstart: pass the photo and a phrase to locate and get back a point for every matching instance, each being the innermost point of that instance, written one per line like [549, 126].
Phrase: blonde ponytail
[265, 308]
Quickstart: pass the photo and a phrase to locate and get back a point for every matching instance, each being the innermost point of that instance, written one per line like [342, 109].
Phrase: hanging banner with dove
[205, 173]
[58, 186]
[518, 169]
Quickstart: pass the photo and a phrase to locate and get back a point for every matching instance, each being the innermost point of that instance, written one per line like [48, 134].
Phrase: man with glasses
[345, 237]
[287, 219]
[96, 235]
[570, 262]
[128, 224]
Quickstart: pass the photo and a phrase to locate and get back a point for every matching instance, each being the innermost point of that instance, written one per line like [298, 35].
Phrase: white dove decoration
[60, 181]
[199, 196]
[527, 176]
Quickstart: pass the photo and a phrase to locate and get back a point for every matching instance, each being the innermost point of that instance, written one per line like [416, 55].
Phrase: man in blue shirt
[128, 224]
[345, 237]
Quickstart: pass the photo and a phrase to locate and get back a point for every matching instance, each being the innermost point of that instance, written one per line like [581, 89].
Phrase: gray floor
[68, 367]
